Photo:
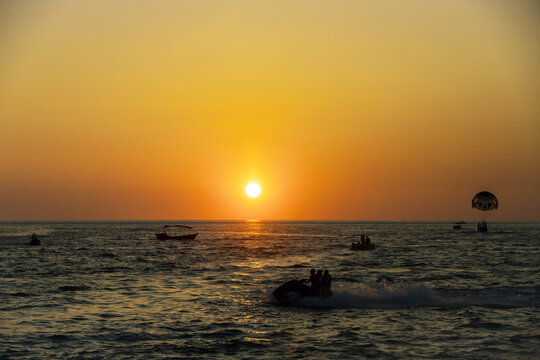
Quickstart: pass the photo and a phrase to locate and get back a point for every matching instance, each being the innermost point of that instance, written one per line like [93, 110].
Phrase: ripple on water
[72, 288]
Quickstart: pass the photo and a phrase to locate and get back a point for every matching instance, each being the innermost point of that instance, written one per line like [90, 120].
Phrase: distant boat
[460, 222]
[456, 227]
[482, 227]
[34, 240]
[363, 244]
[177, 235]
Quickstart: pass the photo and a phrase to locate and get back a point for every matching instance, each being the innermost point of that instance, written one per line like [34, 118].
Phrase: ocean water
[110, 290]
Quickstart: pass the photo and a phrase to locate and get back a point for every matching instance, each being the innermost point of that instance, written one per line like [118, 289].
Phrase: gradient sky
[374, 110]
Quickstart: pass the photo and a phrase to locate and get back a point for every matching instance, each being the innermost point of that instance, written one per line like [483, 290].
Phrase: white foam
[386, 295]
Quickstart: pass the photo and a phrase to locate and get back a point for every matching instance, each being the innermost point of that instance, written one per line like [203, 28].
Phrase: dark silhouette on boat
[34, 240]
[179, 236]
[364, 244]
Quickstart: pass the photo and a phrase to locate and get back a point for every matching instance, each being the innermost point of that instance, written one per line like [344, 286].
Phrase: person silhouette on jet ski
[312, 277]
[326, 284]
[316, 286]
[315, 279]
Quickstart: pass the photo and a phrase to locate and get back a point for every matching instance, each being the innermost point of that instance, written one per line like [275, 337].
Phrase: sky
[341, 110]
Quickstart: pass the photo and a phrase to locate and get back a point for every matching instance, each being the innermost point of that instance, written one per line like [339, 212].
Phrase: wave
[480, 323]
[295, 266]
[495, 298]
[107, 255]
[21, 294]
[72, 288]
[27, 232]
[379, 296]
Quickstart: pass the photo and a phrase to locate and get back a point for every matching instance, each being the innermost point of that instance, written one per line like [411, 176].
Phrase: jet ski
[293, 291]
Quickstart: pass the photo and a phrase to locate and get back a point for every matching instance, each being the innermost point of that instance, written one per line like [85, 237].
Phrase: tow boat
[482, 227]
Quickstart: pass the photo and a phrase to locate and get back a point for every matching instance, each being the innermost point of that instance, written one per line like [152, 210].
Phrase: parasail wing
[485, 201]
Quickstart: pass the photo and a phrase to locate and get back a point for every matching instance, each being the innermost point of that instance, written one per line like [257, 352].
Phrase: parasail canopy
[485, 201]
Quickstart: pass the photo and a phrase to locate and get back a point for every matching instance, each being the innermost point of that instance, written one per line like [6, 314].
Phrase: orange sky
[340, 110]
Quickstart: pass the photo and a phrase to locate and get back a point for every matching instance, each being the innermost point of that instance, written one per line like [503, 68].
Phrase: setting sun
[253, 189]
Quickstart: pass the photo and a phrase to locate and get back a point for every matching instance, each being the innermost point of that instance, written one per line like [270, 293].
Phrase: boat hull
[362, 247]
[481, 228]
[165, 236]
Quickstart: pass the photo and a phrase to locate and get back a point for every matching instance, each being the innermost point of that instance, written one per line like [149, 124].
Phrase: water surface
[111, 290]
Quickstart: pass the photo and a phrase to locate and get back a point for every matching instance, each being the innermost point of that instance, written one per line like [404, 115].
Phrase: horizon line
[257, 220]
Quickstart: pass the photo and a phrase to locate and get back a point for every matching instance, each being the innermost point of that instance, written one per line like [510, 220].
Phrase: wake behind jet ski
[292, 291]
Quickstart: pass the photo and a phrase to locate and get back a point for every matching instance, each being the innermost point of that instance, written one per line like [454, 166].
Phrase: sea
[111, 290]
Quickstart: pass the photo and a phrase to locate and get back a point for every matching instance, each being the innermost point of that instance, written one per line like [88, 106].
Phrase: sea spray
[376, 297]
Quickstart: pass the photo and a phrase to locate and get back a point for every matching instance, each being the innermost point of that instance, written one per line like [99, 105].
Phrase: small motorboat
[292, 291]
[456, 227]
[34, 240]
[362, 246]
[177, 234]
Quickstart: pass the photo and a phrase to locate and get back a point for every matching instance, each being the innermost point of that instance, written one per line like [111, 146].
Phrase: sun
[253, 189]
